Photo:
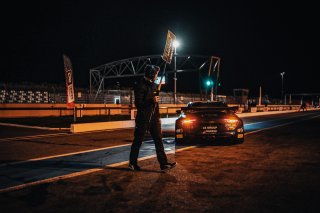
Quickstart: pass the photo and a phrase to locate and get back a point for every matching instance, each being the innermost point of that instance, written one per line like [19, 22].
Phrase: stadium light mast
[282, 74]
[175, 44]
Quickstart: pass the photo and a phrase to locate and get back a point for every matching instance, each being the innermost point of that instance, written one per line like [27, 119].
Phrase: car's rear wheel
[185, 139]
[179, 140]
[239, 140]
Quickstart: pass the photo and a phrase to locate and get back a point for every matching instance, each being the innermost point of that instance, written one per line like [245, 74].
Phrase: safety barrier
[58, 110]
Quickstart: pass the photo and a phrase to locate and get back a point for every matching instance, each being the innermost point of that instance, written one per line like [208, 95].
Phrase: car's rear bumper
[236, 134]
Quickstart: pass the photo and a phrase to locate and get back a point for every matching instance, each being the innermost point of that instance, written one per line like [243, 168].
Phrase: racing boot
[167, 166]
[134, 167]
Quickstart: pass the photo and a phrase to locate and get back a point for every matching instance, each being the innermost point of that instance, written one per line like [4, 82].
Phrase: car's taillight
[188, 121]
[231, 123]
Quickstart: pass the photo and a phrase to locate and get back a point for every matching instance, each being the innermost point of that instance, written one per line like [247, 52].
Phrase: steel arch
[134, 66]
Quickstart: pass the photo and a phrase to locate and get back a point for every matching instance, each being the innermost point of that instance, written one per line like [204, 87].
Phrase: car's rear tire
[185, 139]
[179, 140]
[239, 140]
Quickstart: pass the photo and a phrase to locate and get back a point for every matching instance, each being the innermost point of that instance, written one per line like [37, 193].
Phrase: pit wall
[44, 110]
[57, 110]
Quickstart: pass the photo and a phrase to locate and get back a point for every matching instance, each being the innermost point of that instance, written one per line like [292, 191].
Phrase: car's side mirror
[178, 112]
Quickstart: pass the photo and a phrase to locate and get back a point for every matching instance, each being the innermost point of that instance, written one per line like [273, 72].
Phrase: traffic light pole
[217, 78]
[209, 73]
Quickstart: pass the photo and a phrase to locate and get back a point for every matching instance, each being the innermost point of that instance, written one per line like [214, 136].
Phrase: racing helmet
[151, 71]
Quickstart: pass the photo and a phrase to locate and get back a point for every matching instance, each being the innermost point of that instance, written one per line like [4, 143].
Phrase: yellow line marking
[49, 180]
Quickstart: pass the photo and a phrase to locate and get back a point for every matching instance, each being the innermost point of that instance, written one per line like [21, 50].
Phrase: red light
[188, 121]
[231, 121]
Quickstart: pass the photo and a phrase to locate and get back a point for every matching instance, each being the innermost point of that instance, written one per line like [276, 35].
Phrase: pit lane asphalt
[13, 175]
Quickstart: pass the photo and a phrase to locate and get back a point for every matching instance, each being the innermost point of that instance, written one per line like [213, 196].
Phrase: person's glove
[156, 96]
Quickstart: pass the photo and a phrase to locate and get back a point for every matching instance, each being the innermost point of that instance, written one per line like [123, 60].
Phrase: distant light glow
[176, 43]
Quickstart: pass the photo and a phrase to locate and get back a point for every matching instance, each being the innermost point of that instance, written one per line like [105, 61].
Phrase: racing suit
[148, 118]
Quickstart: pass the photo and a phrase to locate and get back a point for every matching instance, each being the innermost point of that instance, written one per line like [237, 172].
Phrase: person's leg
[139, 134]
[156, 134]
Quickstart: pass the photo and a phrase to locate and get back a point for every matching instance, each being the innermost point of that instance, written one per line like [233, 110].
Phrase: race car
[209, 121]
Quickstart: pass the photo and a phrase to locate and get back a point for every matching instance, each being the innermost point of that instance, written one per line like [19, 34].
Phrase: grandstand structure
[31, 93]
[21, 96]
[53, 94]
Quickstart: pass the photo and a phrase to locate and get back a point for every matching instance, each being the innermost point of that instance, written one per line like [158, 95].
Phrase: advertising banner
[69, 82]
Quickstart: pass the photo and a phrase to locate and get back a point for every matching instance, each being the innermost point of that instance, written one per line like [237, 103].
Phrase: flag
[69, 82]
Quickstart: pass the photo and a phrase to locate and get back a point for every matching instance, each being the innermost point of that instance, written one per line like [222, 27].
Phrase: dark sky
[256, 40]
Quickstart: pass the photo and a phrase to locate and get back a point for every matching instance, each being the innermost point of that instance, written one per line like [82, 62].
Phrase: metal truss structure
[132, 67]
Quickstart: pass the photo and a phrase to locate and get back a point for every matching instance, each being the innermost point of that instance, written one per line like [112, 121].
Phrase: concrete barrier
[88, 127]
[253, 109]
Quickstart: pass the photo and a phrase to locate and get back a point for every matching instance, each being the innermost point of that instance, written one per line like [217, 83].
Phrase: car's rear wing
[198, 109]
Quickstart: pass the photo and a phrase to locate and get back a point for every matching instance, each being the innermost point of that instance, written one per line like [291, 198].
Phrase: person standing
[303, 107]
[148, 118]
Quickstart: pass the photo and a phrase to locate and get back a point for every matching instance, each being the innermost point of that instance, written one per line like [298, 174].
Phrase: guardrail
[58, 110]
[262, 108]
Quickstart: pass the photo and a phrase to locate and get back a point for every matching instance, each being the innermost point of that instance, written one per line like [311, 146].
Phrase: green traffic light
[209, 83]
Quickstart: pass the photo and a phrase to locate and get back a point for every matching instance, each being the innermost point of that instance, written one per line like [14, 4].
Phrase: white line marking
[32, 137]
[62, 155]
[33, 127]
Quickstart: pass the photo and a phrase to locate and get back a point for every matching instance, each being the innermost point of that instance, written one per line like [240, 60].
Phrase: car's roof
[207, 104]
[208, 107]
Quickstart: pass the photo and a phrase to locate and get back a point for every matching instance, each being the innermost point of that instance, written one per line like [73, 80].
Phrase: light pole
[176, 44]
[282, 74]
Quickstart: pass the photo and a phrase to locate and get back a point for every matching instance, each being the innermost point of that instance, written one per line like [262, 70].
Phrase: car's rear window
[207, 104]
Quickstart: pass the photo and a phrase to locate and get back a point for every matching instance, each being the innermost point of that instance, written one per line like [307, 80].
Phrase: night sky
[255, 40]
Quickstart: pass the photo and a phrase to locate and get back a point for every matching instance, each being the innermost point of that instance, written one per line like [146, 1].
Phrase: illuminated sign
[157, 81]
[168, 49]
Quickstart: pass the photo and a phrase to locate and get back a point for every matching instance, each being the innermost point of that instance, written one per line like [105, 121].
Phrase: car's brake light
[188, 121]
[231, 123]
